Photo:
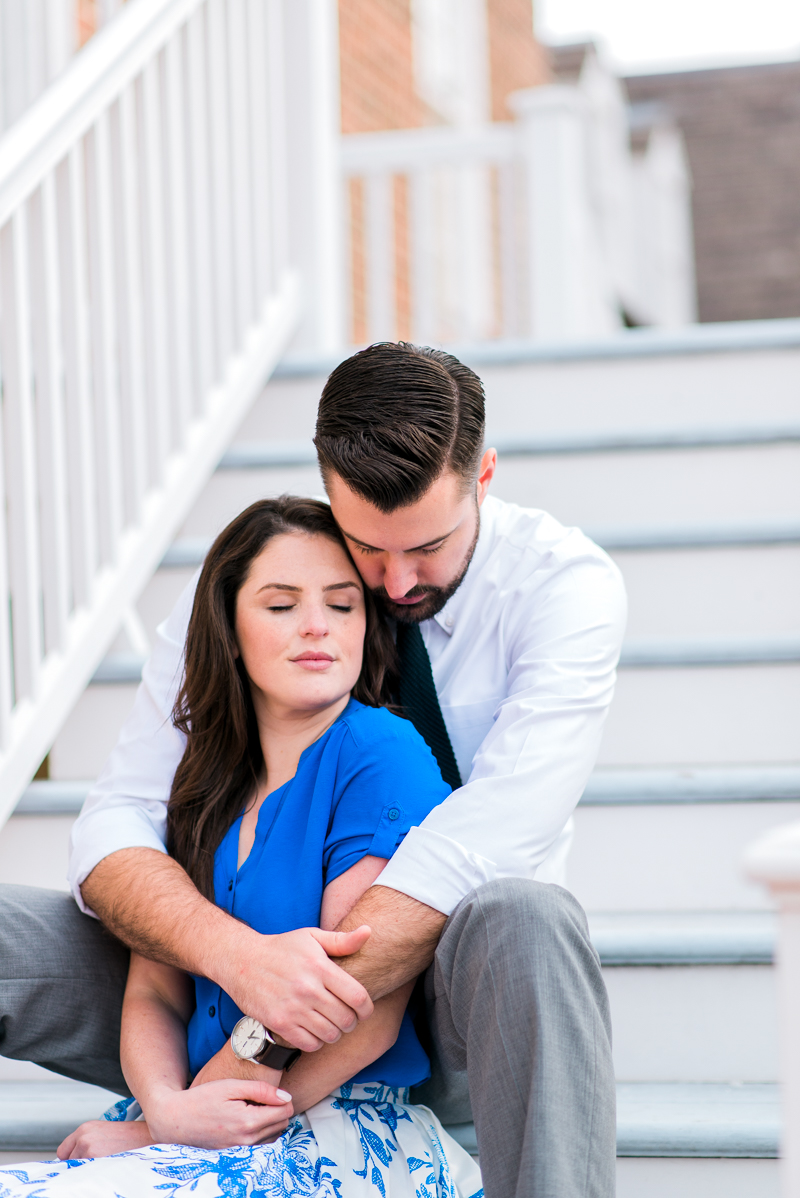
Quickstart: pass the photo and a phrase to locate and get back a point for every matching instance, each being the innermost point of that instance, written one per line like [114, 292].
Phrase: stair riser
[703, 715]
[694, 1023]
[678, 716]
[664, 487]
[668, 392]
[662, 857]
[594, 490]
[639, 1177]
[681, 593]
[696, 390]
[747, 591]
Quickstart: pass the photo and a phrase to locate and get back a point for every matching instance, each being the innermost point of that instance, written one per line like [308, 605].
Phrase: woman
[295, 787]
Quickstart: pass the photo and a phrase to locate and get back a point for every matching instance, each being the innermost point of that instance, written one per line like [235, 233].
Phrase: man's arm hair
[288, 982]
[404, 936]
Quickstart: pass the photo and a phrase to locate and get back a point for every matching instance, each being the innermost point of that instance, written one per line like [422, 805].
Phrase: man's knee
[517, 924]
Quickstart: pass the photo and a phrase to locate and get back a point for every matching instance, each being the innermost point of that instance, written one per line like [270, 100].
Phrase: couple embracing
[331, 835]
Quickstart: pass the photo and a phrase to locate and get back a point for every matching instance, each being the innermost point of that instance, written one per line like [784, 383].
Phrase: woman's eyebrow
[341, 586]
[278, 586]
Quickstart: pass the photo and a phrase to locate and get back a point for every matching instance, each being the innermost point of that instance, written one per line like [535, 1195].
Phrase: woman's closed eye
[345, 607]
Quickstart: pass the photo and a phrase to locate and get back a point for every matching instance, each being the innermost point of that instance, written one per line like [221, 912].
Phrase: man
[514, 624]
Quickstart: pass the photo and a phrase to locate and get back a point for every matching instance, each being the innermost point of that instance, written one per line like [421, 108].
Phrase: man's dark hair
[395, 416]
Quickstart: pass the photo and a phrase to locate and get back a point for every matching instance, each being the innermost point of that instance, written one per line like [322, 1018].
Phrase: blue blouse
[357, 791]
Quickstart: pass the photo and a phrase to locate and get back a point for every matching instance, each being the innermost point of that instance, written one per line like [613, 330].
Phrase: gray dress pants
[517, 1011]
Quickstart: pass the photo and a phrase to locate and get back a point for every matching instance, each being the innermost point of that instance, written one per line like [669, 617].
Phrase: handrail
[146, 294]
[96, 75]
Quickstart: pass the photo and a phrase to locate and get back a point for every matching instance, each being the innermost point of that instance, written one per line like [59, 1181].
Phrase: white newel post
[568, 295]
[774, 860]
[313, 125]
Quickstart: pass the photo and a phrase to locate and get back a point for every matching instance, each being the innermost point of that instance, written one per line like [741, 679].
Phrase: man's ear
[486, 473]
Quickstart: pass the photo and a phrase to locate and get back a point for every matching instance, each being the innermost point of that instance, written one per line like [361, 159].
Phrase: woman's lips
[313, 661]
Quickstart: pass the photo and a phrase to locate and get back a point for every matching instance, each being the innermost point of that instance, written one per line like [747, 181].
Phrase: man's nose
[400, 578]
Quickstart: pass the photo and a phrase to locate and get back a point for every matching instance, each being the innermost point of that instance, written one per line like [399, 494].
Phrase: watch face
[248, 1038]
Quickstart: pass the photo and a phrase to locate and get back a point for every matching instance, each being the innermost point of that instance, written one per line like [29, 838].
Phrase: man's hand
[99, 1137]
[297, 991]
[289, 982]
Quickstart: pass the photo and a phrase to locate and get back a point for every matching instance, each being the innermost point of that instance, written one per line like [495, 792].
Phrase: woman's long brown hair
[222, 760]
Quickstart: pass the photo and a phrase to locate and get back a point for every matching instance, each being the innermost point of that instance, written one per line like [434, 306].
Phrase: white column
[313, 124]
[774, 860]
[568, 292]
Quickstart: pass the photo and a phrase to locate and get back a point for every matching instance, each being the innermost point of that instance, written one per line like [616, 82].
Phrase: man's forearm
[403, 940]
[289, 981]
[151, 904]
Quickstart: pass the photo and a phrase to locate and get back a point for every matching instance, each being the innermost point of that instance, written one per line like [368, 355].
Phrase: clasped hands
[291, 984]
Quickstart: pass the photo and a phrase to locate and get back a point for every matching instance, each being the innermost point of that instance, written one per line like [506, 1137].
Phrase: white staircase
[682, 453]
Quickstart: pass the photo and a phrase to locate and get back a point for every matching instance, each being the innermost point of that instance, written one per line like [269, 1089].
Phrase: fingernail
[284, 1097]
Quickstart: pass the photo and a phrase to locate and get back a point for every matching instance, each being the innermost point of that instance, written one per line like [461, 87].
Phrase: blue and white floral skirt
[360, 1142]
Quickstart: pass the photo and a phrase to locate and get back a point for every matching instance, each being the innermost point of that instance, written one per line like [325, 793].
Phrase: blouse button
[212, 1011]
[393, 813]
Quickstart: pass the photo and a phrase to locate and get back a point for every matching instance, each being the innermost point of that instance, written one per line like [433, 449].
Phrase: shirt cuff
[103, 832]
[435, 870]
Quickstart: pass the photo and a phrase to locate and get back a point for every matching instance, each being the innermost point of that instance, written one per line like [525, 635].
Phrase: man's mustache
[415, 593]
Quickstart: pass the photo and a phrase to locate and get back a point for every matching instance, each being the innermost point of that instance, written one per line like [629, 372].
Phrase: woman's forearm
[316, 1074]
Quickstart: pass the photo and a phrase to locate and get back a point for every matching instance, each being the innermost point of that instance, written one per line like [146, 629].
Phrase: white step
[723, 592]
[653, 839]
[670, 856]
[746, 483]
[737, 715]
[667, 1120]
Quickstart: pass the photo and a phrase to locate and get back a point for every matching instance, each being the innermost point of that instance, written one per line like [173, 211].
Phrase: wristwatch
[251, 1041]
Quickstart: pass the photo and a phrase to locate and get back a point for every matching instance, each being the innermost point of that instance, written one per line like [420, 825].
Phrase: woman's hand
[218, 1114]
[99, 1137]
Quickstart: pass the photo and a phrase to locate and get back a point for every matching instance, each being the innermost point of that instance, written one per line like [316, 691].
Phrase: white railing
[145, 294]
[37, 40]
[546, 227]
[774, 861]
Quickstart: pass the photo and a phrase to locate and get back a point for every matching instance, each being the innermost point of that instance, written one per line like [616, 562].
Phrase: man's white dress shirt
[524, 658]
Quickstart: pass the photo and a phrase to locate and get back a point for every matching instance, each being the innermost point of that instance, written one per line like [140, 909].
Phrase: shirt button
[449, 621]
[393, 813]
[212, 1011]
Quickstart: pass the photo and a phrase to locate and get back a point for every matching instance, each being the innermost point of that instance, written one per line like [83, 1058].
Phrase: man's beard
[435, 597]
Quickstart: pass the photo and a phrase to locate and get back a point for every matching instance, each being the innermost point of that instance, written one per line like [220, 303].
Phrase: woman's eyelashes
[280, 607]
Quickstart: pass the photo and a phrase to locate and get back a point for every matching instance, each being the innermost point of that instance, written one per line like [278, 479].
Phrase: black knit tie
[420, 702]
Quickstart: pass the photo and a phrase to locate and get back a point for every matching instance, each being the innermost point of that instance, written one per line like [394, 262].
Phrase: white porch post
[313, 122]
[774, 860]
[568, 295]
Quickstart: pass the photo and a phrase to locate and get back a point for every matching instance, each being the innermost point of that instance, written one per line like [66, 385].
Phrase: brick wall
[742, 131]
[377, 76]
[516, 59]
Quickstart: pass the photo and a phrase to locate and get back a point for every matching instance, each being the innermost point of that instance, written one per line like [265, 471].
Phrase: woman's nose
[314, 623]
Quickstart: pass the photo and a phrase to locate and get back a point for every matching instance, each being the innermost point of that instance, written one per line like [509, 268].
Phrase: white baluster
[180, 271]
[77, 375]
[774, 861]
[20, 455]
[199, 176]
[131, 323]
[155, 273]
[50, 415]
[380, 247]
